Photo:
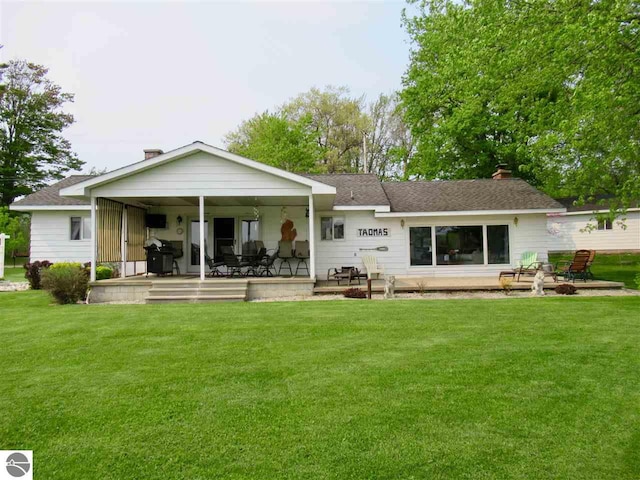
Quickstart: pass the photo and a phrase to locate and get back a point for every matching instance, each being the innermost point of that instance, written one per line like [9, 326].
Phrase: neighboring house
[439, 228]
[581, 228]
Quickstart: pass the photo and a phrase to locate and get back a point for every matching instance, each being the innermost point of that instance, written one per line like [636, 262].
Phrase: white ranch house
[212, 197]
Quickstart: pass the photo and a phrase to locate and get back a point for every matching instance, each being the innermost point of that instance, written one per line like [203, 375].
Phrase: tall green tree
[329, 131]
[276, 140]
[551, 88]
[32, 148]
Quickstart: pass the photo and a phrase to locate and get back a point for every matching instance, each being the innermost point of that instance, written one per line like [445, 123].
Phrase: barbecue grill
[161, 255]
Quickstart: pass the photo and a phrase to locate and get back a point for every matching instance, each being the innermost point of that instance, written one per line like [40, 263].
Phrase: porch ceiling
[216, 201]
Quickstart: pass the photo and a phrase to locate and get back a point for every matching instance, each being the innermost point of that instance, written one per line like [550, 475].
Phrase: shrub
[505, 283]
[638, 281]
[354, 293]
[566, 289]
[67, 283]
[103, 273]
[34, 272]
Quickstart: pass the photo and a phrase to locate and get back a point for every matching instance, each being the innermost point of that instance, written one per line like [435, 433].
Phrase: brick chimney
[501, 172]
[152, 152]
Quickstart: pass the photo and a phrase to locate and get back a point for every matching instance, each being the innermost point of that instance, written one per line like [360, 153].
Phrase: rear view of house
[201, 196]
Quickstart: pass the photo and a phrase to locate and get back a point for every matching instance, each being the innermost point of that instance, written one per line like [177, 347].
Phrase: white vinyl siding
[51, 239]
[201, 174]
[530, 234]
[565, 233]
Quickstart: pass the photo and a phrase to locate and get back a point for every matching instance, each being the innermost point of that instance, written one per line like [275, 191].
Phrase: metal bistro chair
[302, 255]
[285, 253]
[267, 264]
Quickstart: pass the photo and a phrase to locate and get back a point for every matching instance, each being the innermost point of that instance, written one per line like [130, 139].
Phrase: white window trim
[485, 243]
[333, 223]
[82, 238]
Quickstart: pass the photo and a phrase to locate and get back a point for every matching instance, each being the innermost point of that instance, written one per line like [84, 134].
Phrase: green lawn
[14, 274]
[515, 388]
[615, 267]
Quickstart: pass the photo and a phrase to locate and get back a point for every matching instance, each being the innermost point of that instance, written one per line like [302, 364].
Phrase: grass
[517, 388]
[614, 267]
[14, 274]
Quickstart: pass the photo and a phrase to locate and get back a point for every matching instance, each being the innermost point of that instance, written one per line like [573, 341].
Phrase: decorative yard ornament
[288, 232]
[538, 284]
[389, 286]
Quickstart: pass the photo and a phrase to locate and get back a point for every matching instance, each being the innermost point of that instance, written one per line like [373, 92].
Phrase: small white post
[312, 239]
[94, 238]
[202, 272]
[3, 242]
[123, 243]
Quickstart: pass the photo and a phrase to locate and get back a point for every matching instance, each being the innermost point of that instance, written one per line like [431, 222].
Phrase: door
[194, 244]
[224, 235]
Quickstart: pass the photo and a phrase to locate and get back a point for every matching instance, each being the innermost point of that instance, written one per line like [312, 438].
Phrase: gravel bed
[462, 295]
[13, 286]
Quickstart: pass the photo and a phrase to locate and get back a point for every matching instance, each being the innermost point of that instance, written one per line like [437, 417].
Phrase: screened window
[332, 228]
[420, 246]
[605, 224]
[80, 228]
[459, 245]
[498, 244]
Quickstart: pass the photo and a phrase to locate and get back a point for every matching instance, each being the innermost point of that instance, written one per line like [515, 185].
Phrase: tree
[276, 140]
[551, 88]
[337, 122]
[17, 226]
[324, 131]
[32, 149]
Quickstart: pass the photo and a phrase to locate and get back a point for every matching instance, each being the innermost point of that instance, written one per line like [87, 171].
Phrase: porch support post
[202, 245]
[312, 239]
[94, 239]
[123, 242]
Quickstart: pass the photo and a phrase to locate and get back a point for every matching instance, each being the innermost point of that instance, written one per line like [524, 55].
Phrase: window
[332, 228]
[498, 244]
[250, 230]
[80, 228]
[459, 245]
[605, 224]
[420, 250]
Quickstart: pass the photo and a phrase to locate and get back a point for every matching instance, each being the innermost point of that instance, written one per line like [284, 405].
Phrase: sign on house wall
[373, 232]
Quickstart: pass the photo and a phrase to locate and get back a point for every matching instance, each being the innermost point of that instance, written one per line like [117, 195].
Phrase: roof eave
[33, 208]
[459, 213]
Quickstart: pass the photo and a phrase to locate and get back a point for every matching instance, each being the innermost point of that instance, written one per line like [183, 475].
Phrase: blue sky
[161, 75]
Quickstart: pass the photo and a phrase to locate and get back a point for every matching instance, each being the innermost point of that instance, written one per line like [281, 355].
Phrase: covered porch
[200, 230]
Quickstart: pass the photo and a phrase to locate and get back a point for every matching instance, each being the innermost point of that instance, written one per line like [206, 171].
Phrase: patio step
[167, 291]
[195, 299]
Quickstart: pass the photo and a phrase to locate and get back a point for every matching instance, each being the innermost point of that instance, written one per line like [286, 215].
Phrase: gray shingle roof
[366, 189]
[354, 189]
[463, 195]
[51, 195]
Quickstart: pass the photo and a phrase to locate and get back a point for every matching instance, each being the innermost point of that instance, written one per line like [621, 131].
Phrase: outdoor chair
[234, 265]
[592, 256]
[347, 274]
[371, 264]
[285, 253]
[302, 255]
[528, 264]
[578, 267]
[214, 267]
[266, 265]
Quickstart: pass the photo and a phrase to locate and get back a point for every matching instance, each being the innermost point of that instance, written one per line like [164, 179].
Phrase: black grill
[160, 258]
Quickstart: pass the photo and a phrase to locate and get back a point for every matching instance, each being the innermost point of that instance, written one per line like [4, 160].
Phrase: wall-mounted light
[402, 223]
[179, 219]
[306, 212]
[515, 221]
